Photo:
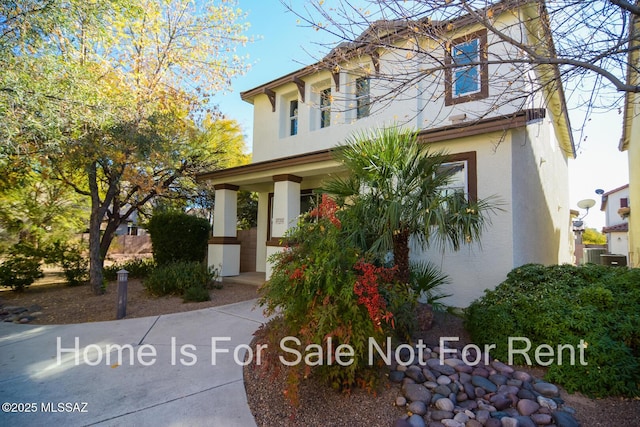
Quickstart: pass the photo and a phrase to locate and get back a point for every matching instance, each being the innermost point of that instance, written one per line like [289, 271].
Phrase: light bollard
[122, 293]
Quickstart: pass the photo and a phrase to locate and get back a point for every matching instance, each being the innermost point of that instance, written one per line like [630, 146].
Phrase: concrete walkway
[173, 370]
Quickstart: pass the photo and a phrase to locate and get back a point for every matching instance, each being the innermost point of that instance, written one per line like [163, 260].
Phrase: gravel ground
[322, 406]
[60, 304]
[319, 405]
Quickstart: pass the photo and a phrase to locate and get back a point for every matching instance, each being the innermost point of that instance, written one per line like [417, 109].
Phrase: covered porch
[284, 187]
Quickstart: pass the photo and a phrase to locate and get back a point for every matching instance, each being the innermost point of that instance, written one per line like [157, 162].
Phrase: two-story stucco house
[630, 142]
[516, 150]
[615, 205]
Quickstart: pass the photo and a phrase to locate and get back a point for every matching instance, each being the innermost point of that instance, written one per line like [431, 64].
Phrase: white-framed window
[459, 181]
[293, 117]
[466, 75]
[325, 107]
[363, 98]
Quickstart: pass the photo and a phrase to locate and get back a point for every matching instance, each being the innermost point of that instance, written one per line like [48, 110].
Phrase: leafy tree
[398, 188]
[38, 212]
[247, 210]
[591, 236]
[106, 98]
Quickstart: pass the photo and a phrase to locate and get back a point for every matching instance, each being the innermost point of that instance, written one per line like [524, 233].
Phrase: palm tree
[396, 189]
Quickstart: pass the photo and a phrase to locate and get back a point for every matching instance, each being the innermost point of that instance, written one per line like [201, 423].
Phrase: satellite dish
[599, 191]
[586, 204]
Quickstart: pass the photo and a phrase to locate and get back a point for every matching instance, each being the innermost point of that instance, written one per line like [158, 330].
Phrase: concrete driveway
[171, 370]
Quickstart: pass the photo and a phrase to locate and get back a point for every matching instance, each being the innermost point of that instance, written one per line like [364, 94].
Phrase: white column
[286, 209]
[224, 247]
[263, 225]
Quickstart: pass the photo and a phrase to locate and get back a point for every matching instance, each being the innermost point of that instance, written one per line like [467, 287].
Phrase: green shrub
[138, 268]
[564, 304]
[69, 257]
[425, 280]
[196, 294]
[21, 268]
[176, 236]
[178, 277]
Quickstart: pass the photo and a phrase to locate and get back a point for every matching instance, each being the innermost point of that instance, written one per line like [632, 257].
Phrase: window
[293, 117]
[465, 78]
[325, 108]
[362, 97]
[132, 229]
[464, 177]
[458, 182]
[624, 202]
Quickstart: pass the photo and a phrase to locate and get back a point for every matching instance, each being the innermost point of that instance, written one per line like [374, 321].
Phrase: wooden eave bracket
[272, 98]
[336, 79]
[375, 58]
[301, 86]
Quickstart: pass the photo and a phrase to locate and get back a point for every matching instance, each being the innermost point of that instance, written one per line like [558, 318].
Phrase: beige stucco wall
[478, 267]
[634, 193]
[542, 231]
[419, 106]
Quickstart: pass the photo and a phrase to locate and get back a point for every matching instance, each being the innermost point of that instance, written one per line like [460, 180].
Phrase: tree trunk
[108, 235]
[401, 254]
[96, 262]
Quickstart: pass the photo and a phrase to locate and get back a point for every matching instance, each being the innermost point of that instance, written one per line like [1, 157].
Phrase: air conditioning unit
[592, 255]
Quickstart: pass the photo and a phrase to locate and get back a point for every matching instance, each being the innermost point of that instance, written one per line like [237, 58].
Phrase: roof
[605, 196]
[267, 168]
[384, 33]
[380, 33]
[633, 78]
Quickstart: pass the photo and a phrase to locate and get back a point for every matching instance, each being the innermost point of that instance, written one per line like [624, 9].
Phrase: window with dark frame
[325, 108]
[363, 102]
[466, 75]
[466, 78]
[293, 117]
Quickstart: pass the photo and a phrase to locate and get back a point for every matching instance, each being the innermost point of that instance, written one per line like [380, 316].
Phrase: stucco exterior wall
[542, 232]
[612, 217]
[419, 106]
[634, 193]
[618, 243]
[477, 267]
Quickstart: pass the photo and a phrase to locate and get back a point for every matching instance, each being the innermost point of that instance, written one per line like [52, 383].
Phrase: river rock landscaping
[19, 314]
[460, 394]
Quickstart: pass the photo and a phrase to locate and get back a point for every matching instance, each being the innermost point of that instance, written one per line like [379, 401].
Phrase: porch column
[286, 209]
[224, 247]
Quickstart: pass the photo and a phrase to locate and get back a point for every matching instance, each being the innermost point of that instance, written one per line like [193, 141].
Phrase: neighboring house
[615, 205]
[630, 142]
[129, 228]
[517, 151]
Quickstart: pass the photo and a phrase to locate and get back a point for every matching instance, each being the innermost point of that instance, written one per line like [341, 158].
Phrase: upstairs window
[293, 117]
[362, 97]
[325, 108]
[466, 78]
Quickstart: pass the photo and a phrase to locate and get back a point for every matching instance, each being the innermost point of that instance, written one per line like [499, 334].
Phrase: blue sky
[283, 46]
